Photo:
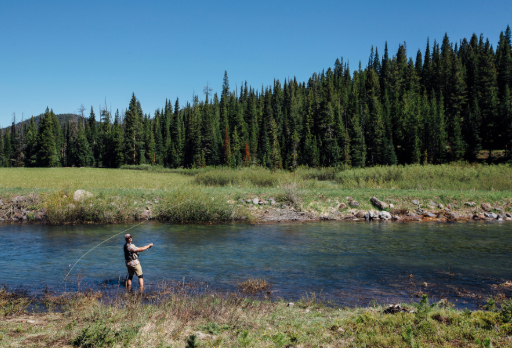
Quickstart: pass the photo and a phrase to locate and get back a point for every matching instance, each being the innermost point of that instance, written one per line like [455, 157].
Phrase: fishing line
[115, 235]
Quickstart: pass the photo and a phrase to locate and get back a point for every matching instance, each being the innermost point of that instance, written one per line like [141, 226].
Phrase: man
[131, 257]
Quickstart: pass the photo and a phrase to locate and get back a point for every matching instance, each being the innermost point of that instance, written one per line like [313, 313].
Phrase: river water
[348, 263]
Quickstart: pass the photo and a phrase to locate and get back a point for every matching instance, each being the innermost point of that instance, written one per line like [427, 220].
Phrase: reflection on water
[349, 263]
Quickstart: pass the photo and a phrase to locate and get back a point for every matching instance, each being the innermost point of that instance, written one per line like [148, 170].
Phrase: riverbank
[90, 195]
[175, 317]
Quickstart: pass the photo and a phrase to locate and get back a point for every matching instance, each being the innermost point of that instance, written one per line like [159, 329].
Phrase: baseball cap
[126, 236]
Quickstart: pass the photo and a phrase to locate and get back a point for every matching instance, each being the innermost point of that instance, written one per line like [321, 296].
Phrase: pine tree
[31, 145]
[133, 134]
[46, 150]
[118, 149]
[83, 152]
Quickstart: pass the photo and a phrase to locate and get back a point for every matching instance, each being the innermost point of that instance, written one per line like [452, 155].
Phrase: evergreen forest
[444, 104]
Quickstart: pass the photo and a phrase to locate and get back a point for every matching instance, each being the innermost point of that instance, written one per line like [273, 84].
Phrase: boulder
[508, 215]
[359, 214]
[429, 214]
[255, 201]
[440, 206]
[501, 217]
[414, 201]
[81, 195]
[146, 214]
[486, 206]
[391, 206]
[491, 215]
[2, 220]
[470, 204]
[353, 203]
[18, 199]
[498, 209]
[291, 304]
[283, 206]
[18, 214]
[378, 203]
[432, 204]
[39, 216]
[342, 206]
[476, 217]
[453, 216]
[384, 215]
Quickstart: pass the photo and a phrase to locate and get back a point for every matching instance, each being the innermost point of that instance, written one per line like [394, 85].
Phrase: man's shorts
[134, 270]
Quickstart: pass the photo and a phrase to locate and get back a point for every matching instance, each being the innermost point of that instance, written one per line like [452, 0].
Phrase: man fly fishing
[131, 257]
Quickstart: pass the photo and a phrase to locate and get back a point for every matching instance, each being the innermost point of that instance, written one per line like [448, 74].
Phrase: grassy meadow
[175, 317]
[220, 194]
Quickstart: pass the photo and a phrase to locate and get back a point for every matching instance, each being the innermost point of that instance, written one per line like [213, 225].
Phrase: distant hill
[63, 119]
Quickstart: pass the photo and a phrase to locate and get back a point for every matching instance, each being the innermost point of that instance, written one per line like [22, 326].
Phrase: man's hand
[150, 245]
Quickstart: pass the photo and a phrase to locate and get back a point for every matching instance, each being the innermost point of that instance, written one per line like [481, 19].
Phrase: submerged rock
[81, 195]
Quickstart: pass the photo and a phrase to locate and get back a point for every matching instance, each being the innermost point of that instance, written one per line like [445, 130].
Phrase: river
[347, 263]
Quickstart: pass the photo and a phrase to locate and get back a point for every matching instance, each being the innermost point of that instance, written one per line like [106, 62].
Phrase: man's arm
[144, 248]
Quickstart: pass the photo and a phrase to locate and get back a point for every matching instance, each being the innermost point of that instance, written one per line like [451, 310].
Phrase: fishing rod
[115, 235]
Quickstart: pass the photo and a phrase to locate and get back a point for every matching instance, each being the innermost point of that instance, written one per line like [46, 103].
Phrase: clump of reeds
[253, 286]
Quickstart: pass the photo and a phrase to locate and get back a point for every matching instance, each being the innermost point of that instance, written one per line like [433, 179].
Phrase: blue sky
[62, 54]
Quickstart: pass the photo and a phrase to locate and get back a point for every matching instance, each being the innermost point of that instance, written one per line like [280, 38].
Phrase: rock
[414, 201]
[440, 206]
[255, 201]
[359, 214]
[353, 203]
[201, 336]
[391, 206]
[18, 215]
[146, 214]
[283, 206]
[396, 217]
[2, 220]
[291, 304]
[369, 215]
[470, 204]
[39, 216]
[453, 216]
[498, 209]
[486, 206]
[491, 215]
[342, 206]
[81, 195]
[449, 206]
[380, 204]
[155, 201]
[440, 216]
[263, 202]
[429, 214]
[248, 201]
[384, 215]
[508, 215]
[1, 203]
[432, 204]
[148, 202]
[501, 217]
[350, 198]
[18, 199]
[272, 201]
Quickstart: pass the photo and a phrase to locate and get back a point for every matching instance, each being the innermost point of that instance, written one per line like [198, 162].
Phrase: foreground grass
[176, 318]
[220, 195]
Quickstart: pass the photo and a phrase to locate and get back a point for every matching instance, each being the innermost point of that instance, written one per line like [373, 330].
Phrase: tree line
[446, 104]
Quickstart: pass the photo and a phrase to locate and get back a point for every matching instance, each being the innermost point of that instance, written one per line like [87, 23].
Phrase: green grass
[173, 316]
[212, 194]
